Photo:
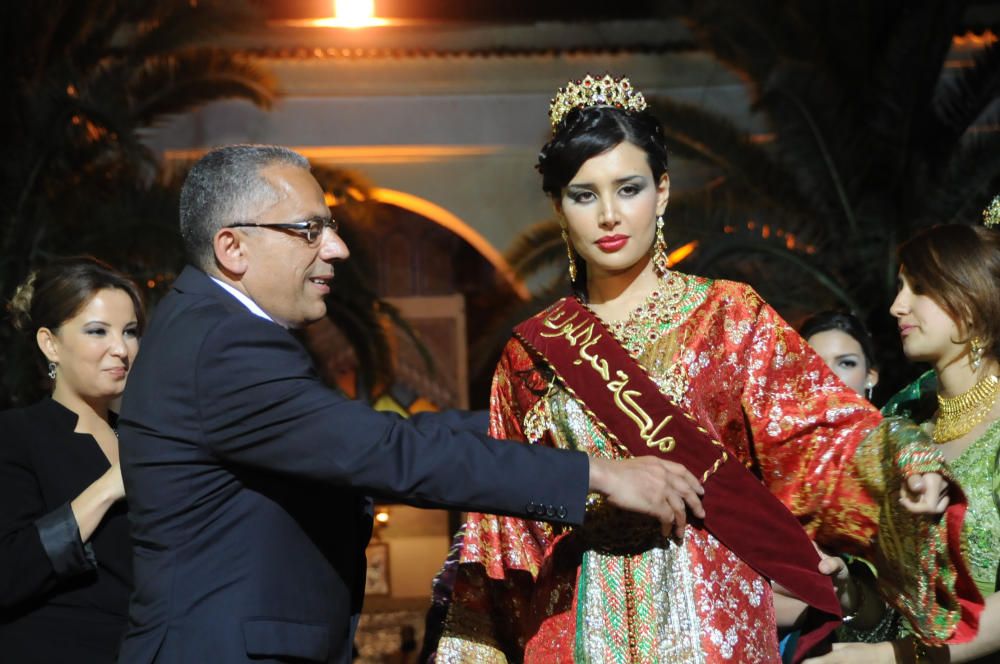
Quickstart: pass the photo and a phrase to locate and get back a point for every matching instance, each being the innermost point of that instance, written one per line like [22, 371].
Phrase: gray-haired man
[248, 479]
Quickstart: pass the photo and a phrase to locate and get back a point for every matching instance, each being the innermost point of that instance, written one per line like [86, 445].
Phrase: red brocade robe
[616, 590]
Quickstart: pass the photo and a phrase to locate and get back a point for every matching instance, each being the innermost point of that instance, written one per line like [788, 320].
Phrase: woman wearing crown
[643, 359]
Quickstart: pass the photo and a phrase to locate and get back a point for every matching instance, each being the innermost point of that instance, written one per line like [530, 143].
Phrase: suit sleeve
[262, 405]
[476, 421]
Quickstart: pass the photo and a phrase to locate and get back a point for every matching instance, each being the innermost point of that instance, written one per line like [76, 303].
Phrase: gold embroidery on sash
[625, 401]
[581, 336]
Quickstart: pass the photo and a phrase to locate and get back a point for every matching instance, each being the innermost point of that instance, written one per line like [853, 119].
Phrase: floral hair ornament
[605, 91]
[991, 215]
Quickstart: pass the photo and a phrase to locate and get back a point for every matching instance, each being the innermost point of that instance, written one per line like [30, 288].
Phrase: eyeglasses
[310, 229]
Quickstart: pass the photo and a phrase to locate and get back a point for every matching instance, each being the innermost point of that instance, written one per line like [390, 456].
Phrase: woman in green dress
[948, 310]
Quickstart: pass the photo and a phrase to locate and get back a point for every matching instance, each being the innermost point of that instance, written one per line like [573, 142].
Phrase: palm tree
[873, 136]
[870, 136]
[83, 79]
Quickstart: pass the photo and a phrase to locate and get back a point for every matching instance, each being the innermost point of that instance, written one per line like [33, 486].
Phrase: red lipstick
[611, 243]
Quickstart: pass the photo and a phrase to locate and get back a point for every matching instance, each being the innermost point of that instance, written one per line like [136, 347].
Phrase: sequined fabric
[976, 470]
[615, 590]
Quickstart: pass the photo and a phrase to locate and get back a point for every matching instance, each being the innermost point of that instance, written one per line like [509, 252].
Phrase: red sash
[740, 511]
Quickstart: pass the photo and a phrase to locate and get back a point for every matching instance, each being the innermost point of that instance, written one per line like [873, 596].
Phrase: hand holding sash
[662, 489]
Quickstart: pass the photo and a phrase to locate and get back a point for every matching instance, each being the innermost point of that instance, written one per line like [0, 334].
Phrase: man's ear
[662, 194]
[46, 340]
[230, 252]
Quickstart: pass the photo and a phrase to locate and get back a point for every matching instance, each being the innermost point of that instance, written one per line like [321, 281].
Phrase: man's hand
[648, 485]
[925, 494]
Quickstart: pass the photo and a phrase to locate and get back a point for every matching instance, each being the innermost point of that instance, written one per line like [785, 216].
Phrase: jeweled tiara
[606, 91]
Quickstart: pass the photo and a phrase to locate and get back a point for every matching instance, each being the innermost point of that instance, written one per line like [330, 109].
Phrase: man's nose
[333, 248]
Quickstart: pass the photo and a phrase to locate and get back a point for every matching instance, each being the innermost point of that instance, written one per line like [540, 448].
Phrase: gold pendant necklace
[959, 415]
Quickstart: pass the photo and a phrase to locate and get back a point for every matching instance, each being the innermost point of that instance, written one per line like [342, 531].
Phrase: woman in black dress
[65, 558]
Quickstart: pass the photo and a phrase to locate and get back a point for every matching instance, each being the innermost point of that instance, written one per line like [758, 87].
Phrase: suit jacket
[60, 600]
[248, 480]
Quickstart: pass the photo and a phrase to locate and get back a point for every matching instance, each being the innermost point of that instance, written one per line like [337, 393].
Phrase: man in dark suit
[247, 478]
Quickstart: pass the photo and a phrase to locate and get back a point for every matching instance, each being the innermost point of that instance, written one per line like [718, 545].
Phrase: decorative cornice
[424, 39]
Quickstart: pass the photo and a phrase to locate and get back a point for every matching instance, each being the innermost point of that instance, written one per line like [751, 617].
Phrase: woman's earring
[869, 390]
[978, 348]
[660, 261]
[569, 253]
[52, 370]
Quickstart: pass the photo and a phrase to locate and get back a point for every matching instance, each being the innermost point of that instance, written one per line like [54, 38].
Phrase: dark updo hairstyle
[588, 132]
[55, 293]
[958, 267]
[842, 321]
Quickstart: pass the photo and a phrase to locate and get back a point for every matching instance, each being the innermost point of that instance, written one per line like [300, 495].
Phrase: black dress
[60, 600]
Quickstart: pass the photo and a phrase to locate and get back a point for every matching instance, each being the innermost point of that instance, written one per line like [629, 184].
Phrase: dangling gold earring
[569, 254]
[978, 348]
[660, 261]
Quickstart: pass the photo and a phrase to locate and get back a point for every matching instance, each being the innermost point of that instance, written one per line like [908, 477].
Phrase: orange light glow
[382, 516]
[680, 253]
[972, 40]
[354, 12]
[351, 14]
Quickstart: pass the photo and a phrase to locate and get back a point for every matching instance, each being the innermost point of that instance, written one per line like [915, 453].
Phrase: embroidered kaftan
[615, 590]
[976, 470]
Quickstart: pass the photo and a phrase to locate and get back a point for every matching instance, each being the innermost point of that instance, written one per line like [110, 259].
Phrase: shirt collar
[242, 297]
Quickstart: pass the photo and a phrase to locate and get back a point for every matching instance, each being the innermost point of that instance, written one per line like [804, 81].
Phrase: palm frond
[961, 97]
[536, 248]
[967, 183]
[177, 26]
[395, 317]
[166, 85]
[903, 78]
[735, 246]
[746, 41]
[485, 349]
[811, 143]
[708, 137]
[360, 325]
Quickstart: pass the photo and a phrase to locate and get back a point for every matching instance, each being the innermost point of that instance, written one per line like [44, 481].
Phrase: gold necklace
[657, 307]
[959, 415]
